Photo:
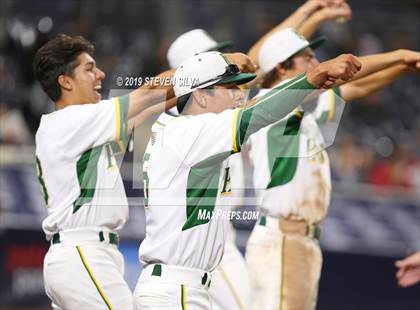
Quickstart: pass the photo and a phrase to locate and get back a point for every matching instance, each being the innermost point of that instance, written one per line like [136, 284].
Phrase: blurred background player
[79, 177]
[291, 168]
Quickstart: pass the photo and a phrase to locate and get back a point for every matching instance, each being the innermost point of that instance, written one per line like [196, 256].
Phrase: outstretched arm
[365, 86]
[378, 62]
[280, 101]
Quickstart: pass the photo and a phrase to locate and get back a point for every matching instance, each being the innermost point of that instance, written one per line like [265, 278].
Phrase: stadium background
[374, 216]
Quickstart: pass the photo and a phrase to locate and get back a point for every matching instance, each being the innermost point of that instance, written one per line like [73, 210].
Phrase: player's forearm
[158, 90]
[272, 107]
[310, 25]
[282, 100]
[365, 86]
[293, 21]
[337, 10]
[378, 62]
[151, 112]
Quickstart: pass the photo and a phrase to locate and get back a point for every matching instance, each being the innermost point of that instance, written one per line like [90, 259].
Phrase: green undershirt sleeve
[272, 107]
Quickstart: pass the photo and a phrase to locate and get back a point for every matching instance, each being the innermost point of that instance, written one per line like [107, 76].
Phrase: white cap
[191, 43]
[205, 69]
[281, 46]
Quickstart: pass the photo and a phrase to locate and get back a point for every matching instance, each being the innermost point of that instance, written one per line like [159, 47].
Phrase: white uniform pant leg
[284, 269]
[155, 295]
[87, 276]
[230, 286]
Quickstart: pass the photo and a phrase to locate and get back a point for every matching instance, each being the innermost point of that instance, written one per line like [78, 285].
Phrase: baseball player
[292, 168]
[77, 169]
[230, 287]
[185, 170]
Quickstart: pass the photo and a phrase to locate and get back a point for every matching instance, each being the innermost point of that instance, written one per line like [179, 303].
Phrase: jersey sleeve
[213, 137]
[207, 138]
[91, 125]
[327, 106]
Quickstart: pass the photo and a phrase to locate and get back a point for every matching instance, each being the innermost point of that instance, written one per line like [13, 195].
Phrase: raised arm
[339, 12]
[158, 90]
[294, 21]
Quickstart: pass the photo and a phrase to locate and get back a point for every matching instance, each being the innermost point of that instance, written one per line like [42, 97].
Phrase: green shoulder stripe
[123, 116]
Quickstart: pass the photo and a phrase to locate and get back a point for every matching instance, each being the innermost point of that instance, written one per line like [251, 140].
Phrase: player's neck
[64, 102]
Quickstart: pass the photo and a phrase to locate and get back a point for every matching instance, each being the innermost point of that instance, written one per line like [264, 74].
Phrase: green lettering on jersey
[226, 182]
[87, 173]
[202, 190]
[41, 180]
[283, 168]
[146, 158]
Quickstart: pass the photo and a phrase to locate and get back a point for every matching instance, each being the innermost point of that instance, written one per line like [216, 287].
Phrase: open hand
[408, 270]
[338, 12]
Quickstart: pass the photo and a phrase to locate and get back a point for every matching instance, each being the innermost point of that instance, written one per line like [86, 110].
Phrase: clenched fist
[327, 73]
[243, 62]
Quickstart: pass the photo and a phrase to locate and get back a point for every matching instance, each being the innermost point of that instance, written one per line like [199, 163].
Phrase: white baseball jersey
[186, 177]
[77, 169]
[291, 167]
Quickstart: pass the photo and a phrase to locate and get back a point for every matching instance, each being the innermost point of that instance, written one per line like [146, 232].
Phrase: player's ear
[201, 98]
[280, 70]
[64, 82]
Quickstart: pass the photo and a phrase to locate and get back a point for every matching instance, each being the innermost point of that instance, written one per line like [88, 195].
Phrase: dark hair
[182, 101]
[271, 76]
[56, 57]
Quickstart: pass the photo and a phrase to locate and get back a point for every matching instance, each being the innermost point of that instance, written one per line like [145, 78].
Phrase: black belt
[112, 237]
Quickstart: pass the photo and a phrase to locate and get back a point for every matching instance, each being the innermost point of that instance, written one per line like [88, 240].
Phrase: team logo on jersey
[226, 189]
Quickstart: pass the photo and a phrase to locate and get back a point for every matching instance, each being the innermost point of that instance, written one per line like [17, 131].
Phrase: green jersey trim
[87, 173]
[41, 180]
[121, 116]
[283, 169]
[328, 115]
[202, 190]
[146, 158]
[272, 107]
